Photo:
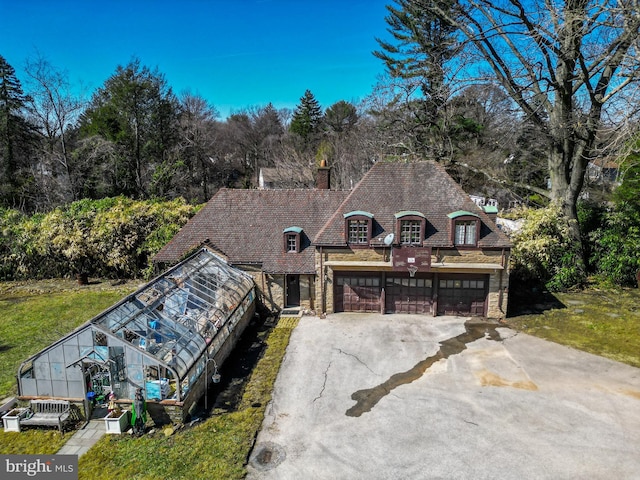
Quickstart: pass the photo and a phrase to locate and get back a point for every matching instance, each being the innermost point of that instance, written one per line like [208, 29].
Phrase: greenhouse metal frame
[160, 338]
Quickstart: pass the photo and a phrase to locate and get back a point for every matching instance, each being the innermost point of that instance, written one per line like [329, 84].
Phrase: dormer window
[292, 239]
[411, 227]
[358, 227]
[465, 228]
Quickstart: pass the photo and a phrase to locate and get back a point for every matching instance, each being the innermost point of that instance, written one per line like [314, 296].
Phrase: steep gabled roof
[425, 187]
[247, 227]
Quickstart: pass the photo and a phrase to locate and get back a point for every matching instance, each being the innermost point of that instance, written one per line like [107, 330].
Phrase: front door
[293, 291]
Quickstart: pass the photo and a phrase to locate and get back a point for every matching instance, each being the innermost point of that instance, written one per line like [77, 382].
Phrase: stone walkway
[84, 439]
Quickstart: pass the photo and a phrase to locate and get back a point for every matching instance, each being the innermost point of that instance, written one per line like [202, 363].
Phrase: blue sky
[235, 53]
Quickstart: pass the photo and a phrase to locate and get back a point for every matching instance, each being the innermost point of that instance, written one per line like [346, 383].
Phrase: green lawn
[599, 321]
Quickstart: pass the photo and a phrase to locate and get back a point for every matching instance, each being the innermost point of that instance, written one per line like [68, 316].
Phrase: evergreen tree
[16, 136]
[138, 113]
[423, 43]
[340, 117]
[307, 118]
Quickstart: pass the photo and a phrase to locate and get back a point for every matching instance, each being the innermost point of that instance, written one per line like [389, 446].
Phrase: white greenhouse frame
[160, 338]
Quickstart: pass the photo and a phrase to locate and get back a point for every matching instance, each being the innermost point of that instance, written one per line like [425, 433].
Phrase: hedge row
[110, 238]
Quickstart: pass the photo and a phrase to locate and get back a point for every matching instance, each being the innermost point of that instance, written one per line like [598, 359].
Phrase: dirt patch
[235, 372]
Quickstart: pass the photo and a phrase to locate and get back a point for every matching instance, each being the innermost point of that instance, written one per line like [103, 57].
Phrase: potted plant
[11, 419]
[117, 421]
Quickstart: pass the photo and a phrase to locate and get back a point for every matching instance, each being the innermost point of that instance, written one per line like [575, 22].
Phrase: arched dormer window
[358, 226]
[464, 228]
[292, 239]
[411, 227]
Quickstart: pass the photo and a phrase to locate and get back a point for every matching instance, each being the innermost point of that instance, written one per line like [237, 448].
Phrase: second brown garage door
[409, 295]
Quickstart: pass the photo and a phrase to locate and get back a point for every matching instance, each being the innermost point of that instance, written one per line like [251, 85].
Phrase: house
[405, 239]
[603, 170]
[283, 178]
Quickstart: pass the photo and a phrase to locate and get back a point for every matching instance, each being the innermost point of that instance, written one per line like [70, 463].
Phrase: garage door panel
[357, 293]
[409, 295]
[462, 295]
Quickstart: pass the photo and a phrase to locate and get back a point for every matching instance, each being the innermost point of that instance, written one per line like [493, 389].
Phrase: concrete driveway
[365, 396]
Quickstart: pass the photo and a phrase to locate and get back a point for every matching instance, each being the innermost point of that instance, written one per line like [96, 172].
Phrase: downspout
[322, 299]
[500, 295]
[500, 291]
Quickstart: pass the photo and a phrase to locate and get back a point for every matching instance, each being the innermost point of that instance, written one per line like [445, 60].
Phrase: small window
[292, 243]
[358, 227]
[411, 227]
[466, 232]
[359, 231]
[410, 232]
[465, 228]
[292, 236]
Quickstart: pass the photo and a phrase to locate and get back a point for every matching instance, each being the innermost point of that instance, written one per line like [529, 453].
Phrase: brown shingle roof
[389, 188]
[247, 225]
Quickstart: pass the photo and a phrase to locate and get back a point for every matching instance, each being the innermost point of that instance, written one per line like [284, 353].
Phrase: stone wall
[271, 290]
[467, 256]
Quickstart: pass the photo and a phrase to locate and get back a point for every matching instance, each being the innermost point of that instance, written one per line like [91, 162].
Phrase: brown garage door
[462, 294]
[355, 292]
[409, 295]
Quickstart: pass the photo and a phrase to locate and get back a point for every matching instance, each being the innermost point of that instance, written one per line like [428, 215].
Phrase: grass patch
[217, 448]
[33, 441]
[598, 321]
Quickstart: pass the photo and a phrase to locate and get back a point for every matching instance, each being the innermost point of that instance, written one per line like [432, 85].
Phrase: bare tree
[566, 64]
[197, 143]
[54, 109]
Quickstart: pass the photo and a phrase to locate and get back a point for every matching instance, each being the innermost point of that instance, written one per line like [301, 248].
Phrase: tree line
[136, 137]
[516, 99]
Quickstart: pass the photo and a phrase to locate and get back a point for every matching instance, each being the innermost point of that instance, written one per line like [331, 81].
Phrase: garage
[457, 294]
[462, 294]
[357, 292]
[404, 294]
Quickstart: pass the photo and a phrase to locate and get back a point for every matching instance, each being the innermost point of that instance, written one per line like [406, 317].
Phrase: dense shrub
[543, 253]
[616, 252]
[112, 237]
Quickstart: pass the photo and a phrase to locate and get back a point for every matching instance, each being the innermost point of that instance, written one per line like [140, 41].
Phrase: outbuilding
[167, 338]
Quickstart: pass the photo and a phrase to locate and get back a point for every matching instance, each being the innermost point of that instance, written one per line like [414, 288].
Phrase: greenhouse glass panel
[159, 338]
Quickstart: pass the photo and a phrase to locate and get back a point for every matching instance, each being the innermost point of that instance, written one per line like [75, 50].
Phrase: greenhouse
[161, 338]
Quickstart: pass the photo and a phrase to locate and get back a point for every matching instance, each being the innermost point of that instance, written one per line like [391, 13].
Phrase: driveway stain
[490, 379]
[474, 330]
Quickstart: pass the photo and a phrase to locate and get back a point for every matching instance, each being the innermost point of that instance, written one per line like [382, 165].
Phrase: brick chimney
[323, 177]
